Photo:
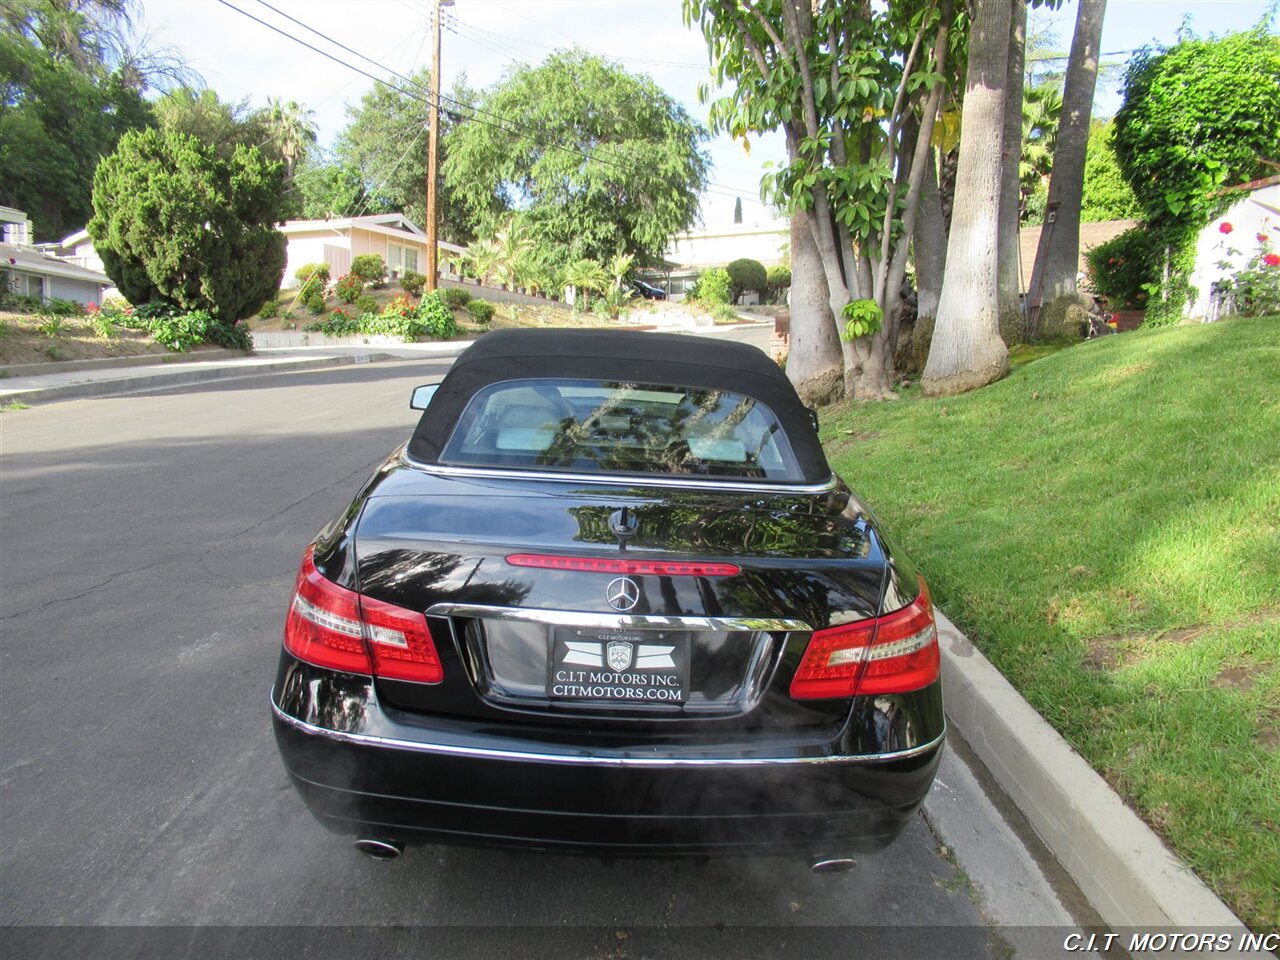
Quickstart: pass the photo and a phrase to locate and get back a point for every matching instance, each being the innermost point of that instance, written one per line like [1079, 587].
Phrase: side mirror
[422, 396]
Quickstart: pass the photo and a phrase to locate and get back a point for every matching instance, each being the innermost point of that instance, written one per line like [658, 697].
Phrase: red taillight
[400, 642]
[659, 568]
[896, 653]
[331, 626]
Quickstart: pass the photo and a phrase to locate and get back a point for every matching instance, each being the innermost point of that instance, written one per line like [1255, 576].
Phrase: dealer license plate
[618, 666]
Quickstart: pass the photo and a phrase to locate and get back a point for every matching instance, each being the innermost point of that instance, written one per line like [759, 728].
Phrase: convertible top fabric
[623, 355]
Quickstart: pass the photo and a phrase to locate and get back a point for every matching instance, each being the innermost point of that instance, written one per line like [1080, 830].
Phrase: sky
[240, 58]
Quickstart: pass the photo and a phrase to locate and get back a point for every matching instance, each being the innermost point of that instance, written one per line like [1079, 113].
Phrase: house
[76, 248]
[401, 243]
[1227, 245]
[33, 273]
[731, 230]
[36, 271]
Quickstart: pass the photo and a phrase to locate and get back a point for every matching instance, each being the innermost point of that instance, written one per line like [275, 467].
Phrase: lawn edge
[1119, 863]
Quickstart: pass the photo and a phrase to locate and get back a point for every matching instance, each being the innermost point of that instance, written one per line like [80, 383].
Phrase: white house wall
[81, 291]
[715, 249]
[1257, 213]
[309, 248]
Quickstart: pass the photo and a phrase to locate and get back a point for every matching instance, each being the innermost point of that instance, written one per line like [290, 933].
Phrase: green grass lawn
[1105, 524]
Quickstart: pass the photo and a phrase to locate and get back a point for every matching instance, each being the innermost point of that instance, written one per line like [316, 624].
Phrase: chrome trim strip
[595, 479]
[587, 760]
[615, 621]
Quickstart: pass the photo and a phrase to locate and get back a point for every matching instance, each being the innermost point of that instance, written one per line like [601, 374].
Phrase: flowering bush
[1119, 268]
[1255, 290]
[348, 288]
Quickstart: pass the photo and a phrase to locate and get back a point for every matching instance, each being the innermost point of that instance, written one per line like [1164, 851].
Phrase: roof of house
[35, 261]
[1091, 234]
[393, 221]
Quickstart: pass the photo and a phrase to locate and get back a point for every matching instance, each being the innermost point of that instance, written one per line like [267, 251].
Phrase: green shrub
[456, 298]
[51, 325]
[314, 301]
[1119, 268]
[348, 288]
[779, 279]
[269, 309]
[337, 324]
[308, 271]
[366, 303]
[105, 324]
[63, 308]
[182, 331]
[370, 268]
[712, 287]
[8, 292]
[231, 336]
[744, 275]
[723, 313]
[436, 317]
[412, 283]
[481, 310]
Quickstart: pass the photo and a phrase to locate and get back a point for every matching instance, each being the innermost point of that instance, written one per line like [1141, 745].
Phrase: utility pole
[433, 149]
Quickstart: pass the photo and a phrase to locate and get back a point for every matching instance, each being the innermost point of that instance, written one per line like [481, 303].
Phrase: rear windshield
[609, 426]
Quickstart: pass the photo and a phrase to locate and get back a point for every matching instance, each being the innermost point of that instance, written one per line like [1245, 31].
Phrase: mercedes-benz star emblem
[622, 593]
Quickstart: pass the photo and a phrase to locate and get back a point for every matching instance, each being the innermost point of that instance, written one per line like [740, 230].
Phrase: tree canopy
[1197, 119]
[384, 147]
[596, 160]
[72, 79]
[177, 223]
[1107, 195]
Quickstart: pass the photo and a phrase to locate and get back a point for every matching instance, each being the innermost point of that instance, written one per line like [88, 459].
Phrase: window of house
[410, 258]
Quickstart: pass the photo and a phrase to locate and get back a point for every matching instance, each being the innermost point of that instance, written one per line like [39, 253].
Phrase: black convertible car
[610, 597]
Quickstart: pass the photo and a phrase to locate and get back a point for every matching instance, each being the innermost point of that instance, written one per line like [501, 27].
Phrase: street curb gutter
[1125, 871]
[179, 378]
[112, 363]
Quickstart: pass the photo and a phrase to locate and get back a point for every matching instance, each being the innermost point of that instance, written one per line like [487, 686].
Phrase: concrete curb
[1125, 871]
[179, 378]
[112, 363]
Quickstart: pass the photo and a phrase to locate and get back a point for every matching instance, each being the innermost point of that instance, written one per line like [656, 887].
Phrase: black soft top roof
[629, 356]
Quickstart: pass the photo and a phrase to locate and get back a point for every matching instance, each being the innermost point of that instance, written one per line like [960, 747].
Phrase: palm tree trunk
[967, 351]
[1012, 324]
[815, 363]
[929, 244]
[1060, 247]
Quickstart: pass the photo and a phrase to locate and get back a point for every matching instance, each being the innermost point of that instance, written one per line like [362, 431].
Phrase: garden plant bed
[22, 341]
[1103, 524]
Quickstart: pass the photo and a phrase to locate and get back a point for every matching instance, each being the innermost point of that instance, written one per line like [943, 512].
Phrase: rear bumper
[364, 770]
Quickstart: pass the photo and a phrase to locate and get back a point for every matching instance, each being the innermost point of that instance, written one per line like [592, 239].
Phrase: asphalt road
[149, 546]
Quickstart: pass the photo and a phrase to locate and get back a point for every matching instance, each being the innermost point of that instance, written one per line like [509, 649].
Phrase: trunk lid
[560, 644]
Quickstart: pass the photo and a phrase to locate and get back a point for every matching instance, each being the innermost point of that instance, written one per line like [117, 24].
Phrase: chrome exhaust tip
[828, 866]
[379, 849]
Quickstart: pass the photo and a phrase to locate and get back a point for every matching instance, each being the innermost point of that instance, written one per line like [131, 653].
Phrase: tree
[967, 351]
[325, 188]
[1107, 196]
[175, 222]
[1053, 278]
[293, 131]
[744, 275]
[64, 101]
[386, 143]
[598, 161]
[203, 115]
[585, 276]
[815, 361]
[1012, 325]
[1198, 116]
[841, 81]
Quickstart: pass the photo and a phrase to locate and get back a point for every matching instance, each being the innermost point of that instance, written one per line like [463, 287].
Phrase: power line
[506, 125]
